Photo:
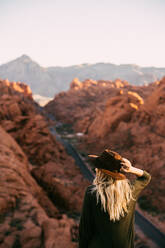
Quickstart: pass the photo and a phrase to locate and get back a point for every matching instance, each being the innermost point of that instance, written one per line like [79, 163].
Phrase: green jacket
[95, 228]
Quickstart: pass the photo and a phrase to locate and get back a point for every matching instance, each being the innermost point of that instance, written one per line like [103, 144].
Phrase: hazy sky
[69, 32]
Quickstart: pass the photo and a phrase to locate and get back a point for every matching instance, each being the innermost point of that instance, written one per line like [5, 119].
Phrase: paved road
[151, 231]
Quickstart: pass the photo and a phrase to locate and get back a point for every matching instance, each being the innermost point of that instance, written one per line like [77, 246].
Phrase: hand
[126, 166]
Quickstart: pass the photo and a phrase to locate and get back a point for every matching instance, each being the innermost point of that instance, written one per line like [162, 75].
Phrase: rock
[24, 205]
[63, 184]
[27, 147]
[15, 88]
[31, 237]
[19, 192]
[90, 98]
[54, 233]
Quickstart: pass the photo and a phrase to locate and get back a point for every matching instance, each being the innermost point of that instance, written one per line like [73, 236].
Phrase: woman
[107, 218]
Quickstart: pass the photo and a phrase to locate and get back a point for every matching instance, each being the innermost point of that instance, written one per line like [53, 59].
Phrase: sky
[70, 32]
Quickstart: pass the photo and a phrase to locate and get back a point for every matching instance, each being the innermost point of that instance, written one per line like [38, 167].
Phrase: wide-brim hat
[109, 162]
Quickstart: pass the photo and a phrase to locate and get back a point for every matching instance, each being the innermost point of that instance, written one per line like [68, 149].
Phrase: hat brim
[115, 175]
[92, 156]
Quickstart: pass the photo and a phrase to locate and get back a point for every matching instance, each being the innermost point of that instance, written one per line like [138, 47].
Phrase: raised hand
[126, 166]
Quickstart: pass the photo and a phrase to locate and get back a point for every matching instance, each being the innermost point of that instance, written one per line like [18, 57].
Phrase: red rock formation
[28, 213]
[14, 88]
[25, 209]
[85, 100]
[82, 101]
[50, 162]
[126, 118]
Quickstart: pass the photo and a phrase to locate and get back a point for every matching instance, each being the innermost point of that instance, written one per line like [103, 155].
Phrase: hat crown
[108, 160]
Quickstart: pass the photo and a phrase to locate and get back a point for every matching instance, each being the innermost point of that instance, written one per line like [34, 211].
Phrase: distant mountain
[50, 81]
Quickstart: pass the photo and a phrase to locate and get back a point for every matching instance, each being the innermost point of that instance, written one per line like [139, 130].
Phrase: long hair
[115, 195]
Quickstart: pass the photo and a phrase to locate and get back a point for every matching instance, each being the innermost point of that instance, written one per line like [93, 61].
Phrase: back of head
[114, 195]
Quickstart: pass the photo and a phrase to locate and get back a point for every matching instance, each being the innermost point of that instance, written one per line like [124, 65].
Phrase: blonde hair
[115, 195]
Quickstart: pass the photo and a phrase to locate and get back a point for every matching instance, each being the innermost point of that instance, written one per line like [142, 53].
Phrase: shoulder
[90, 190]
[90, 187]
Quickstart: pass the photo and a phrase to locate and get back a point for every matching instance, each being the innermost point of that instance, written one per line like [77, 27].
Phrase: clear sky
[69, 32]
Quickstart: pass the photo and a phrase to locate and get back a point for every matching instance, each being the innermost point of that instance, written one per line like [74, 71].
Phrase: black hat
[108, 160]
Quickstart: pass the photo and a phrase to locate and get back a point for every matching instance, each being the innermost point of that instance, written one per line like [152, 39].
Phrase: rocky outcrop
[125, 118]
[118, 109]
[27, 217]
[40, 183]
[15, 88]
[82, 99]
[86, 100]
[49, 160]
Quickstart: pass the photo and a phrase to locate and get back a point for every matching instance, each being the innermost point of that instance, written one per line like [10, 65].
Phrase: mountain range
[52, 80]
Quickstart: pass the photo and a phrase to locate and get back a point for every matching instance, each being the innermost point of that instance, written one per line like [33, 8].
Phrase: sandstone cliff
[40, 183]
[27, 217]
